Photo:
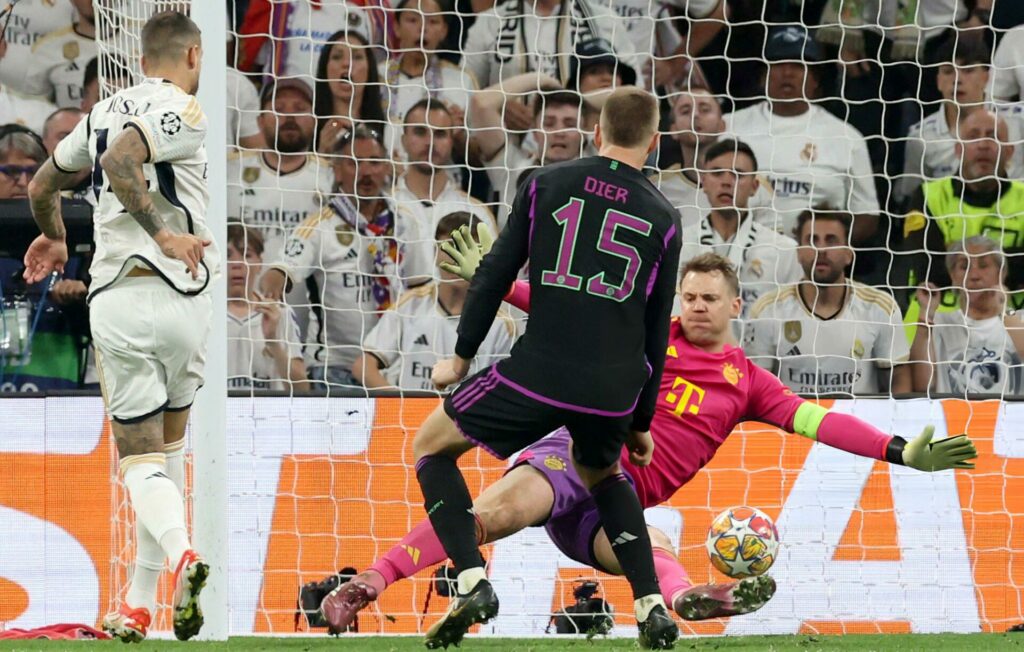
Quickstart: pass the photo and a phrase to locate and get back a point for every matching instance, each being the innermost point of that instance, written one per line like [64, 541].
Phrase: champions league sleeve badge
[170, 123]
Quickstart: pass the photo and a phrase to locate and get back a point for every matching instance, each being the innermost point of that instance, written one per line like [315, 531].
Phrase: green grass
[907, 642]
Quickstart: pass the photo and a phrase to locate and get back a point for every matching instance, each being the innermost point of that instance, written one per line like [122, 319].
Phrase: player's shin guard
[450, 509]
[175, 454]
[672, 577]
[157, 502]
[623, 520]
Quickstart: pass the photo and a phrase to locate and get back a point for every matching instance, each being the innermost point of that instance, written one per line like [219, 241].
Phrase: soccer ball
[742, 542]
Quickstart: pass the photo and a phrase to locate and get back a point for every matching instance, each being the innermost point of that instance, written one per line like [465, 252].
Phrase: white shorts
[150, 345]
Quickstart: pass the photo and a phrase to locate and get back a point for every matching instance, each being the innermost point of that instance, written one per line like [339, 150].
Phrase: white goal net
[877, 143]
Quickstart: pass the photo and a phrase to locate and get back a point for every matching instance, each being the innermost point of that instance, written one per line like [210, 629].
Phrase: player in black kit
[603, 249]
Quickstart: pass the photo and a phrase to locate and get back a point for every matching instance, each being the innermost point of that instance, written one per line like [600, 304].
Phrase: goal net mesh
[318, 483]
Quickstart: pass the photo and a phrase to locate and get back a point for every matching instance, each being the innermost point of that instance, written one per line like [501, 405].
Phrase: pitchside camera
[590, 615]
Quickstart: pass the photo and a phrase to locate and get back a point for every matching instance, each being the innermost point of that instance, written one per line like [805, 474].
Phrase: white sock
[157, 502]
[149, 563]
[469, 578]
[175, 454]
[643, 605]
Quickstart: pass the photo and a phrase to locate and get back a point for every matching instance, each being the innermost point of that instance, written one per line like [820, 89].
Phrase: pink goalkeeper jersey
[702, 398]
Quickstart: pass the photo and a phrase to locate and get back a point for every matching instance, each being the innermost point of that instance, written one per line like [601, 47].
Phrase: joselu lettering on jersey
[127, 106]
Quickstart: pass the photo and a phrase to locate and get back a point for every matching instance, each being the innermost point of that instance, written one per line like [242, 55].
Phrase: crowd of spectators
[859, 161]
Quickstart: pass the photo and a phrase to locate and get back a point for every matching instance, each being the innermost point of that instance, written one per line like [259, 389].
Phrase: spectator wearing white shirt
[516, 37]
[557, 117]
[274, 189]
[90, 85]
[1007, 83]
[828, 334]
[28, 112]
[977, 348]
[811, 157]
[264, 347]
[696, 124]
[414, 71]
[426, 189]
[30, 21]
[357, 253]
[931, 143]
[421, 328]
[663, 52]
[243, 109]
[519, 36]
[285, 37]
[764, 259]
[56, 68]
[243, 104]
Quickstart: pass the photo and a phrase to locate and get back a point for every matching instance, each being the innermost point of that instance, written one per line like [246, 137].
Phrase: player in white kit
[150, 305]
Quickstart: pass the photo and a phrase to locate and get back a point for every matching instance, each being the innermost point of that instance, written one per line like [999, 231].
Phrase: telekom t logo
[682, 402]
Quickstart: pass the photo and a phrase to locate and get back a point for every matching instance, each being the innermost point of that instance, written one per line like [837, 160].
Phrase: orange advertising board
[318, 484]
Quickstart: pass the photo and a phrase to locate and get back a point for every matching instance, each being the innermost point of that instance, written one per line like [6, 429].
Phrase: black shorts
[492, 414]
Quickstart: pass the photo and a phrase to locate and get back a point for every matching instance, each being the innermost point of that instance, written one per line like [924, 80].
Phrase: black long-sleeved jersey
[603, 249]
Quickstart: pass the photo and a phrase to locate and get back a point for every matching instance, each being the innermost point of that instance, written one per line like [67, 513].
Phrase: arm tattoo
[124, 170]
[45, 198]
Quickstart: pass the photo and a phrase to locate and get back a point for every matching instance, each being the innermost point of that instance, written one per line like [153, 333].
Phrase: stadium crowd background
[860, 161]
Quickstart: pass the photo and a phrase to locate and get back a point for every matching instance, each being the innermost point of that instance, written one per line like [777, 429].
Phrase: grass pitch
[900, 642]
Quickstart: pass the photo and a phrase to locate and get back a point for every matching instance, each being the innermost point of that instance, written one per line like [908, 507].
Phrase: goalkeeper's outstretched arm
[847, 432]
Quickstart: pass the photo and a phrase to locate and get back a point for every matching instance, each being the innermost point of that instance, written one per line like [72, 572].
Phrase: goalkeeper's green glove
[923, 454]
[466, 252]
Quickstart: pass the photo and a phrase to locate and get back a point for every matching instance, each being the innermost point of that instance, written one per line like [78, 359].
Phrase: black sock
[623, 520]
[449, 508]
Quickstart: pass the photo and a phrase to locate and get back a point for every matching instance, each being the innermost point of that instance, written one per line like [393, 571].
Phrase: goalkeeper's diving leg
[542, 489]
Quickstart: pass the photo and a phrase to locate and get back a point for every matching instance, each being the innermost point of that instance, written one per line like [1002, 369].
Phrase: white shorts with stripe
[150, 345]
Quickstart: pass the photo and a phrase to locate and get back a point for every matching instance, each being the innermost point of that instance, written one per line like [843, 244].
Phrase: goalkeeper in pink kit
[707, 388]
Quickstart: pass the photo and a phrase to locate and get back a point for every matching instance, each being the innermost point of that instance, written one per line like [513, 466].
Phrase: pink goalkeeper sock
[417, 550]
[672, 577]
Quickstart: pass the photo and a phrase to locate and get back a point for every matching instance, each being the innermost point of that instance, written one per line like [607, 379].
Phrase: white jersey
[249, 364]
[684, 194]
[341, 262]
[975, 356]
[310, 24]
[443, 81]
[451, 199]
[243, 107]
[30, 21]
[649, 23]
[411, 337]
[764, 259]
[429, 213]
[930, 154]
[173, 126]
[812, 159]
[504, 170]
[1007, 73]
[827, 356]
[24, 110]
[929, 16]
[57, 67]
[510, 39]
[275, 203]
